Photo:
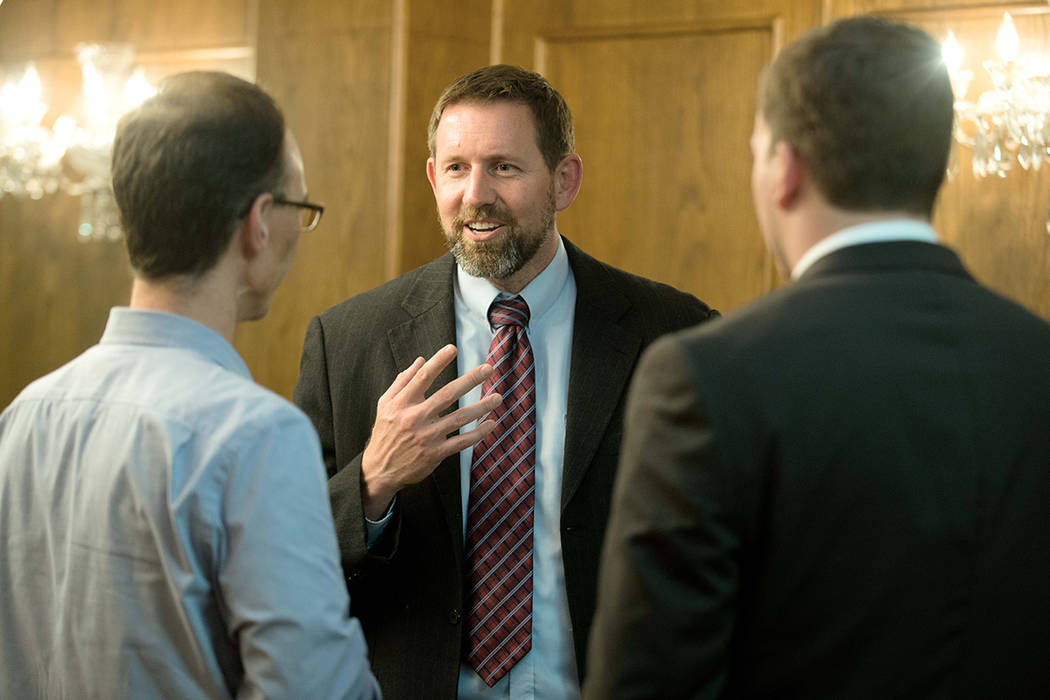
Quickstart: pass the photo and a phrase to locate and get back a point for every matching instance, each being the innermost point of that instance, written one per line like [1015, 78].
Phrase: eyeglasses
[309, 213]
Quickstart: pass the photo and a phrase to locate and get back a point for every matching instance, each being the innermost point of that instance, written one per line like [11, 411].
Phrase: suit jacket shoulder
[601, 285]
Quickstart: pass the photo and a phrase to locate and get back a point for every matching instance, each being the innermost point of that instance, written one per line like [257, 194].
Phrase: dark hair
[503, 83]
[187, 165]
[867, 103]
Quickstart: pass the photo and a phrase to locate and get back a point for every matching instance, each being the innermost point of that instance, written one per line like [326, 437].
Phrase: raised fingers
[402, 380]
[451, 392]
[462, 416]
[422, 379]
[461, 441]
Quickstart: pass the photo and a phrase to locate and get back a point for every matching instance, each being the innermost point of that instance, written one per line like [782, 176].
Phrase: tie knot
[509, 311]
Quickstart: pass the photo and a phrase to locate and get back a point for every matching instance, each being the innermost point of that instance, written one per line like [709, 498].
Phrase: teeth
[482, 227]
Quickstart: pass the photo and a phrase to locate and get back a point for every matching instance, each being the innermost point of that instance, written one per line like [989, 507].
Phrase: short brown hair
[502, 83]
[868, 105]
[187, 165]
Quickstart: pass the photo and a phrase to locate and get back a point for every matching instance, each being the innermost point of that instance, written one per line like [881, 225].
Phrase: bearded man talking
[470, 533]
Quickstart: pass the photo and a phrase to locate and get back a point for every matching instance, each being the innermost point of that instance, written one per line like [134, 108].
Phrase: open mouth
[482, 230]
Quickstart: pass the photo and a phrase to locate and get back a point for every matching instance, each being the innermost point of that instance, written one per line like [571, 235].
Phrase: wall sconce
[1011, 121]
[70, 156]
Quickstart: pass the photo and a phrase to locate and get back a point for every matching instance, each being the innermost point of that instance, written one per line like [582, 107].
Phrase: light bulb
[952, 53]
[136, 91]
[1006, 40]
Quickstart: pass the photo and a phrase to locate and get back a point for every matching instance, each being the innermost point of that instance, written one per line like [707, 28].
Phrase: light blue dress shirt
[165, 530]
[548, 671]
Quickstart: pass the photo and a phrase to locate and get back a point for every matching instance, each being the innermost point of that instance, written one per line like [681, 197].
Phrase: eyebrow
[457, 152]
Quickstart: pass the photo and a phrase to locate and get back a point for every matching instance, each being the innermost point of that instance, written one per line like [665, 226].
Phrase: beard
[504, 255]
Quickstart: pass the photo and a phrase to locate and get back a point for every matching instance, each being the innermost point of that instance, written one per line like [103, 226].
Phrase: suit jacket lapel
[604, 351]
[432, 323]
[431, 326]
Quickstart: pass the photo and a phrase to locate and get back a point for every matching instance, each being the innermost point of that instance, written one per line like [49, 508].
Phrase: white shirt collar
[477, 292]
[878, 232]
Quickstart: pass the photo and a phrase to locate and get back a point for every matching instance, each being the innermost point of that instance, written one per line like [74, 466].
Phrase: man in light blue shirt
[164, 521]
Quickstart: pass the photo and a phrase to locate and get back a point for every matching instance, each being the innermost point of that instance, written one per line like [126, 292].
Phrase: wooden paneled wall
[662, 90]
[329, 66]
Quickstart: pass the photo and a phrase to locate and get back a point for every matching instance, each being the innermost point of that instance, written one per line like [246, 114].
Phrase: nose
[479, 190]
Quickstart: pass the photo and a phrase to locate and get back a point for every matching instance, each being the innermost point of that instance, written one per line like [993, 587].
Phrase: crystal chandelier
[70, 156]
[1009, 123]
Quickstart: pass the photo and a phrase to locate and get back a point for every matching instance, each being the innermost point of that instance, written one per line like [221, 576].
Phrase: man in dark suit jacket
[501, 165]
[839, 491]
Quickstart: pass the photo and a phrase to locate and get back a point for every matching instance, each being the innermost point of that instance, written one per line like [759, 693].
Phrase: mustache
[489, 211]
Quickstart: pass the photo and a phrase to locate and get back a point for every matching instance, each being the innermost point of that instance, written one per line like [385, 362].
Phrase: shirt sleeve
[375, 528]
[280, 577]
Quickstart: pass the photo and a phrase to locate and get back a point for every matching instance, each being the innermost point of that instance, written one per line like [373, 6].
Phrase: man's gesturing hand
[411, 437]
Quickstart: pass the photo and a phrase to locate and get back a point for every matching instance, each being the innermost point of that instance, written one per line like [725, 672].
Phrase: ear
[255, 227]
[568, 175]
[791, 175]
[431, 174]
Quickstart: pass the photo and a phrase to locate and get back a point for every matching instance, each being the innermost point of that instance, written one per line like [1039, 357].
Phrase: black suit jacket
[840, 491]
[408, 591]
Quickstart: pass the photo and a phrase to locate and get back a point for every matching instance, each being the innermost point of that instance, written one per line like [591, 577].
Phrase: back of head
[187, 165]
[868, 105]
[503, 83]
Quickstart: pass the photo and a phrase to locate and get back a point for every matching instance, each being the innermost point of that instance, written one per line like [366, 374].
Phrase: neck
[203, 299]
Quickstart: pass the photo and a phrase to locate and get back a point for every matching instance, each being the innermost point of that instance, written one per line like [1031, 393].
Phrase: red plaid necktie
[499, 516]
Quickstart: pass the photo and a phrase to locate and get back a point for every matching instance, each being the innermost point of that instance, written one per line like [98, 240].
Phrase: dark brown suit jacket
[839, 491]
[408, 591]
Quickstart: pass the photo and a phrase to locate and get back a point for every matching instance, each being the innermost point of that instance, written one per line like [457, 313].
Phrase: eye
[454, 168]
[505, 168]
